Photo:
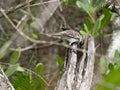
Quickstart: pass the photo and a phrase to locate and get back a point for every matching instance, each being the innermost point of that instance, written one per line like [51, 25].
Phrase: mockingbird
[67, 79]
[70, 35]
[78, 72]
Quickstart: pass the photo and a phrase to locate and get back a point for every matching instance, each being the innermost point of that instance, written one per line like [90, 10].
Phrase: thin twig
[13, 25]
[23, 49]
[28, 7]
[12, 9]
[21, 21]
[31, 47]
[41, 3]
[23, 5]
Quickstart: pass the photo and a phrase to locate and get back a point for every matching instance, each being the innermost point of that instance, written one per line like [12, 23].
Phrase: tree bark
[79, 77]
[4, 82]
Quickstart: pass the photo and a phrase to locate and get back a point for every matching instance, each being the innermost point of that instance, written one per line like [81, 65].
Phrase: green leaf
[88, 23]
[85, 5]
[117, 59]
[65, 2]
[11, 69]
[60, 61]
[21, 69]
[96, 27]
[34, 35]
[117, 56]
[15, 20]
[39, 68]
[86, 28]
[103, 65]
[113, 77]
[15, 56]
[113, 16]
[98, 4]
[82, 32]
[4, 50]
[38, 84]
[111, 66]
[107, 17]
[110, 80]
[22, 82]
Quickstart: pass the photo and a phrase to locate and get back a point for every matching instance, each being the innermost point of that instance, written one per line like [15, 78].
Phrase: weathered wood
[89, 70]
[67, 79]
[81, 64]
[78, 74]
[4, 82]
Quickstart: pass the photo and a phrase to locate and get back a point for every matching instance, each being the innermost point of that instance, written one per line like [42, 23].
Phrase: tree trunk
[79, 77]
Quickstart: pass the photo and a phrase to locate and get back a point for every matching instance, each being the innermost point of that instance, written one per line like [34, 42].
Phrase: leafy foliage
[24, 82]
[93, 25]
[39, 68]
[3, 49]
[111, 81]
[60, 62]
[13, 68]
[15, 55]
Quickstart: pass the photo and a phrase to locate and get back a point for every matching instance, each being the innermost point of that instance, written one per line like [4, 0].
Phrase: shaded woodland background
[45, 54]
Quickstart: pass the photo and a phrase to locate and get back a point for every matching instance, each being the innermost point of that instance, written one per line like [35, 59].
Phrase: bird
[73, 37]
[69, 35]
